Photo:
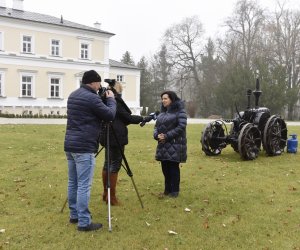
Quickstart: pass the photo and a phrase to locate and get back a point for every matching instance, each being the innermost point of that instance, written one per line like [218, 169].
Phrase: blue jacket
[172, 122]
[85, 111]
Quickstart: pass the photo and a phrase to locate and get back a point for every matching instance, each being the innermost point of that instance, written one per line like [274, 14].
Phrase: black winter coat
[85, 112]
[172, 122]
[120, 131]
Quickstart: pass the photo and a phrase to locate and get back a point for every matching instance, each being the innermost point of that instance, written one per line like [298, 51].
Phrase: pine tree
[127, 58]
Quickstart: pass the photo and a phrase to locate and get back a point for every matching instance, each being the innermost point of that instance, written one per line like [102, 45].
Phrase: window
[27, 44]
[55, 47]
[27, 83]
[1, 84]
[1, 41]
[54, 87]
[84, 51]
[120, 78]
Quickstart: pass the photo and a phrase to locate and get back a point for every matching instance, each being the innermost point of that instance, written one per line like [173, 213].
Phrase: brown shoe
[113, 184]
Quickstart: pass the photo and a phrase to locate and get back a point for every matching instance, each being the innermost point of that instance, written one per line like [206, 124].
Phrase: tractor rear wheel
[249, 141]
[212, 138]
[274, 136]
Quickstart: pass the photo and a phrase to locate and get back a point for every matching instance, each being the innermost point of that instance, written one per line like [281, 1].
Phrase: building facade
[43, 58]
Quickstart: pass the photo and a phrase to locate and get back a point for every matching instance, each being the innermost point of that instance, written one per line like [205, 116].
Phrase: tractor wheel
[212, 138]
[275, 136]
[249, 141]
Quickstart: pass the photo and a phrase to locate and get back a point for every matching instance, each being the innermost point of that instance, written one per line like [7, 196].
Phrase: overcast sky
[138, 25]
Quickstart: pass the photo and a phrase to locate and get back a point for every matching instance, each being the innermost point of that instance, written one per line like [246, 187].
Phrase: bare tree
[184, 44]
[285, 33]
[245, 25]
[237, 55]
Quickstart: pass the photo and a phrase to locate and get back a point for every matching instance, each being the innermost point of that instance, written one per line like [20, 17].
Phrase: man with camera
[85, 111]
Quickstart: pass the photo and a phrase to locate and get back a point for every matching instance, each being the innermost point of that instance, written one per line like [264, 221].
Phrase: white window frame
[1, 41]
[32, 77]
[31, 43]
[60, 86]
[55, 48]
[86, 51]
[78, 79]
[79, 82]
[2, 84]
[120, 78]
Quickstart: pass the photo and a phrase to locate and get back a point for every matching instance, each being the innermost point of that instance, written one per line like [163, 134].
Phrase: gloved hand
[147, 118]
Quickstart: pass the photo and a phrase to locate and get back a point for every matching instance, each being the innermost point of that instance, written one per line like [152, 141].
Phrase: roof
[46, 19]
[114, 63]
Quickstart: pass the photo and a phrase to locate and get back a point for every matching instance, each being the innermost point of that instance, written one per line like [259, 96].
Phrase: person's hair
[118, 87]
[172, 95]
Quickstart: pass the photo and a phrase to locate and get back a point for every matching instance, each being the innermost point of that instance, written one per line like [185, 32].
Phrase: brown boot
[113, 183]
[104, 180]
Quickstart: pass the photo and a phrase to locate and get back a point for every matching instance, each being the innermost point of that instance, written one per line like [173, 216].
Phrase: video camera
[151, 116]
[111, 84]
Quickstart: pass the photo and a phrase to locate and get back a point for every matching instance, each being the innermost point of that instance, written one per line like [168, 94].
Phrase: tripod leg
[109, 210]
[127, 169]
[63, 207]
[137, 193]
[104, 180]
[108, 178]
[98, 152]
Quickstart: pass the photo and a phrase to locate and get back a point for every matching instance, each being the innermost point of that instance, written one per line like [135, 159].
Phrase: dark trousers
[115, 157]
[171, 173]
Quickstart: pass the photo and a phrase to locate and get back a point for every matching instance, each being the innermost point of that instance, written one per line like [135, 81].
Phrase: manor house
[42, 60]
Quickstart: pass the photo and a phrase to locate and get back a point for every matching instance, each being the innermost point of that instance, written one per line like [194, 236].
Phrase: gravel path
[64, 121]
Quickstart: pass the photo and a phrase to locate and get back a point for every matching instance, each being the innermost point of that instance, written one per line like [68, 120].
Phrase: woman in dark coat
[118, 131]
[170, 132]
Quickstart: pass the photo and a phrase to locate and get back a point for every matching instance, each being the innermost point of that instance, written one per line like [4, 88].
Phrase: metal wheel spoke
[210, 144]
[249, 141]
[275, 135]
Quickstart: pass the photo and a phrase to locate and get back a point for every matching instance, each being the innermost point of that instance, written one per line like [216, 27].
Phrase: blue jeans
[81, 170]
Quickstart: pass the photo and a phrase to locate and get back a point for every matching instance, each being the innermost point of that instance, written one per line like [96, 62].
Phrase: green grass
[234, 204]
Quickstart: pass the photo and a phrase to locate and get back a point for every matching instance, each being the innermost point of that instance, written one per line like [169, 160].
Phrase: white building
[42, 60]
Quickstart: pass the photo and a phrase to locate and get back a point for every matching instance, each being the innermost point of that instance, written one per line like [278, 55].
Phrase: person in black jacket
[170, 132]
[118, 138]
[85, 111]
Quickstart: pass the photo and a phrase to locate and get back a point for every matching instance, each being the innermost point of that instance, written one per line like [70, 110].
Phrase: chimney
[3, 3]
[18, 5]
[97, 25]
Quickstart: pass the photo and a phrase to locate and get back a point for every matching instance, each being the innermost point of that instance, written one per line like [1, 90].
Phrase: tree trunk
[290, 112]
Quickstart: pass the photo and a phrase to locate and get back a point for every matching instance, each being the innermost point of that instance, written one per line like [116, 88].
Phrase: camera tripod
[126, 167]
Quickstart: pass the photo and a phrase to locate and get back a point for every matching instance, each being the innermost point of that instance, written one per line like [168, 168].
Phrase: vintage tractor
[249, 129]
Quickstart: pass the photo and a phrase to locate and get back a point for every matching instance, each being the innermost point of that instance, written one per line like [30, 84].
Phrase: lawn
[224, 203]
